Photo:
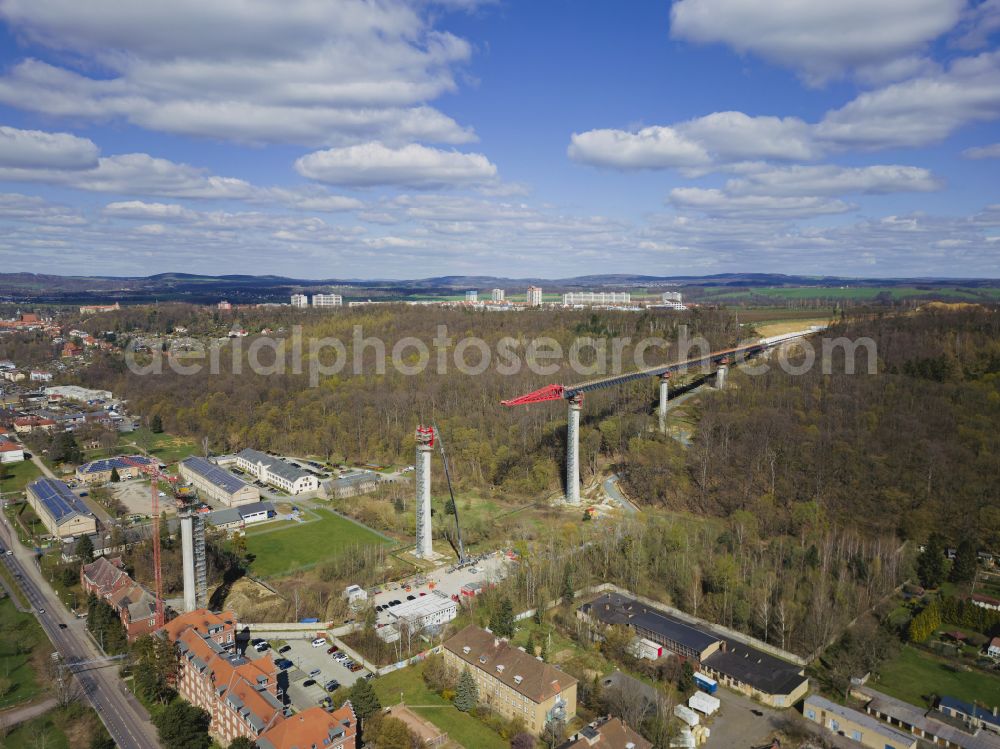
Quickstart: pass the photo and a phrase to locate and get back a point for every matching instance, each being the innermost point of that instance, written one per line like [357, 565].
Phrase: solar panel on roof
[215, 475]
[57, 498]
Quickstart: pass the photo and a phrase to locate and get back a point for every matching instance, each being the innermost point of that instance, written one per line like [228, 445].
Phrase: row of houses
[745, 669]
[101, 471]
[244, 697]
[135, 605]
[276, 472]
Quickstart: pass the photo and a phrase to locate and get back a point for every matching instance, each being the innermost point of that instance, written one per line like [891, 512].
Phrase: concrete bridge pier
[720, 376]
[573, 450]
[664, 395]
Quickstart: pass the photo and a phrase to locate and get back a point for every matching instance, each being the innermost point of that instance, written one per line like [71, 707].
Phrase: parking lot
[135, 496]
[305, 659]
[489, 569]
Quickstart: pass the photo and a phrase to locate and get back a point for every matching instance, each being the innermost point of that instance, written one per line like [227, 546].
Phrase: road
[126, 720]
[10, 718]
[612, 490]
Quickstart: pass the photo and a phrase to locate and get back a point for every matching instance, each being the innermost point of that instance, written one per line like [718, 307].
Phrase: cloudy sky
[401, 139]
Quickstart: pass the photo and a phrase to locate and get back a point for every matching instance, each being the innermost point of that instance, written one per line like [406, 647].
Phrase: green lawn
[461, 727]
[167, 447]
[298, 545]
[20, 634]
[915, 675]
[18, 475]
[62, 728]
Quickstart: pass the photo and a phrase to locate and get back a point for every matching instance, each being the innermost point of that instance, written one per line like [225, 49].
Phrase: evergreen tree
[181, 725]
[242, 742]
[85, 549]
[466, 694]
[156, 424]
[685, 681]
[502, 622]
[364, 699]
[538, 614]
[964, 568]
[115, 478]
[567, 593]
[545, 649]
[930, 563]
[529, 646]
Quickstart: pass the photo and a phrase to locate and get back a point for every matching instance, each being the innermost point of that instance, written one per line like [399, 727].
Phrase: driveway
[737, 726]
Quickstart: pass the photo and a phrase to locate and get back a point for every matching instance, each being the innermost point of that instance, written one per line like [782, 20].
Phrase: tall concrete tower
[573, 450]
[194, 562]
[425, 445]
[664, 397]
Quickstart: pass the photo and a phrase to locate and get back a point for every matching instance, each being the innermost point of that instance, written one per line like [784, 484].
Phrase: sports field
[284, 548]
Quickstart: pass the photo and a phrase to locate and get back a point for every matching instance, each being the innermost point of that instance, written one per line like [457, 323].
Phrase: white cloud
[820, 39]
[754, 207]
[991, 151]
[829, 179]
[305, 71]
[33, 149]
[648, 148]
[137, 209]
[378, 164]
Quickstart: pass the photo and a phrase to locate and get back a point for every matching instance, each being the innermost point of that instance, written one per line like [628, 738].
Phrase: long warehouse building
[62, 512]
[217, 483]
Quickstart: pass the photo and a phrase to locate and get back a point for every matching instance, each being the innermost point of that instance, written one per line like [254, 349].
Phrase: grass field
[18, 475]
[780, 327]
[296, 545]
[461, 727]
[167, 447]
[62, 728]
[914, 676]
[20, 634]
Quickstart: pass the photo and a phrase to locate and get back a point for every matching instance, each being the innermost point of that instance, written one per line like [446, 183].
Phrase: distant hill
[238, 288]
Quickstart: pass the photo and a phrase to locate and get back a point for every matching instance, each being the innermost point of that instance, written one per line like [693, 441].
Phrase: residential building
[673, 300]
[607, 733]
[992, 650]
[106, 544]
[99, 471]
[327, 300]
[740, 667]
[974, 716]
[10, 452]
[534, 296]
[70, 349]
[61, 511]
[217, 483]
[31, 424]
[922, 723]
[38, 375]
[77, 393]
[135, 606]
[472, 296]
[225, 304]
[497, 295]
[220, 627]
[855, 725]
[983, 602]
[574, 298]
[92, 308]
[313, 727]
[240, 695]
[512, 682]
[430, 610]
[354, 483]
[300, 300]
[276, 472]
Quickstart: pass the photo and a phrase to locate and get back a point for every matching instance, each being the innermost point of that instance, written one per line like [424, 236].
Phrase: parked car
[308, 682]
[355, 667]
[256, 640]
[319, 642]
[284, 648]
[411, 598]
[332, 649]
[315, 672]
[332, 686]
[283, 663]
[261, 647]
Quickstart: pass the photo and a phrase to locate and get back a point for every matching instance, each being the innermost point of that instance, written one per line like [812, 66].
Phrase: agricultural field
[850, 293]
[914, 676]
[408, 683]
[293, 545]
[18, 475]
[23, 646]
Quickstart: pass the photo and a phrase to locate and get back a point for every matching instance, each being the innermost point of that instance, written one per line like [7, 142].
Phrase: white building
[498, 295]
[77, 393]
[472, 296]
[596, 297]
[425, 611]
[10, 452]
[327, 300]
[673, 300]
[38, 375]
[355, 593]
[534, 295]
[300, 300]
[276, 472]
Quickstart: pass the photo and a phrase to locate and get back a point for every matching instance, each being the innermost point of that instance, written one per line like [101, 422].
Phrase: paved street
[126, 720]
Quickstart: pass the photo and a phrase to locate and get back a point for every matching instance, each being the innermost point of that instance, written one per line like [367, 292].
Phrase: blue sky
[387, 139]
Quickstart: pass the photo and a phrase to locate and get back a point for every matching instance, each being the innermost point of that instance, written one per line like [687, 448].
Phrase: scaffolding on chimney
[200, 563]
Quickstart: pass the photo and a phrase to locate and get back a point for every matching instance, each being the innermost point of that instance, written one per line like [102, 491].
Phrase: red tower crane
[152, 470]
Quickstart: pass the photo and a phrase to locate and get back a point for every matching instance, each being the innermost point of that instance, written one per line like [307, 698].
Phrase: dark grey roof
[757, 668]
[255, 507]
[275, 465]
[213, 474]
[613, 608]
[58, 499]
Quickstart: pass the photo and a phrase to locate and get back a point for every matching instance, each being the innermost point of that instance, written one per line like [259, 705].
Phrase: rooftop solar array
[58, 499]
[107, 464]
[213, 474]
